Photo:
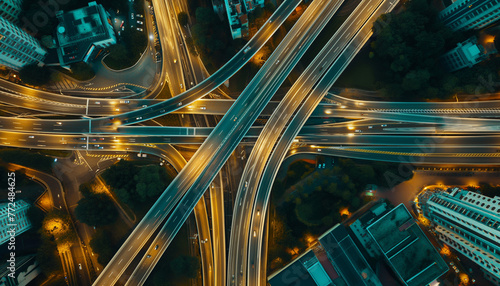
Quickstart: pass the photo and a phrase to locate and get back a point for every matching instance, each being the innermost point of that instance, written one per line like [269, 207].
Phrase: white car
[80, 266]
[140, 29]
[140, 22]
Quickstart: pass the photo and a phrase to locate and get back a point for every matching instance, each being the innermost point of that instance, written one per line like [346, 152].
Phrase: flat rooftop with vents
[409, 252]
[81, 31]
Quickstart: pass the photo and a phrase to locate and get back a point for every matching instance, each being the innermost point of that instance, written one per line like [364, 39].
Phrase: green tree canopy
[102, 246]
[96, 210]
[35, 75]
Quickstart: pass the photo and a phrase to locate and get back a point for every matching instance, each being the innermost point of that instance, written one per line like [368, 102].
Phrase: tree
[82, 71]
[35, 75]
[182, 17]
[102, 246]
[96, 210]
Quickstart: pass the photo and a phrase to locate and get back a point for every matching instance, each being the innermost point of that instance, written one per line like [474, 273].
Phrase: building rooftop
[79, 29]
[335, 260]
[408, 251]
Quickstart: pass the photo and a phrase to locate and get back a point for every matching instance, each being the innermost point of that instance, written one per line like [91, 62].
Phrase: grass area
[361, 72]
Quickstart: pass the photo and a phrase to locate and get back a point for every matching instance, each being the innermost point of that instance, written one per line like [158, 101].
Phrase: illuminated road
[233, 125]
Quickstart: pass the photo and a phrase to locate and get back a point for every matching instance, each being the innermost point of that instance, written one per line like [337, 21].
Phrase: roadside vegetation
[403, 59]
[27, 158]
[136, 186]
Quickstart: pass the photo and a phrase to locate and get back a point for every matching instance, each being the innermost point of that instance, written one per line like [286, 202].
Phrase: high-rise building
[468, 222]
[20, 220]
[470, 14]
[467, 54]
[18, 48]
[82, 32]
[10, 9]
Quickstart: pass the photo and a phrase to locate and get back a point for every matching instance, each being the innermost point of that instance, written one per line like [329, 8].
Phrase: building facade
[467, 54]
[10, 10]
[18, 48]
[82, 32]
[21, 221]
[468, 222]
[470, 14]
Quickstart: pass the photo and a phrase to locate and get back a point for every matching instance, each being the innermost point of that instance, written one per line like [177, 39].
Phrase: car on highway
[149, 256]
[31, 137]
[140, 29]
[80, 266]
[384, 125]
[140, 22]
[139, 15]
[254, 233]
[138, 118]
[156, 247]
[203, 107]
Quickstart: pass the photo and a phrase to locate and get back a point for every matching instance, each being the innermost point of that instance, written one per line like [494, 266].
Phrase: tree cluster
[408, 47]
[96, 209]
[103, 246]
[134, 185]
[27, 158]
[34, 75]
[212, 38]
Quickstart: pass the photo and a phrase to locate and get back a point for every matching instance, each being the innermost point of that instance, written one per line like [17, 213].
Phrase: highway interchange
[460, 133]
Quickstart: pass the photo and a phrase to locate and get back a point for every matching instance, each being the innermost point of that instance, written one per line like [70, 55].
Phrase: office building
[333, 260]
[18, 48]
[470, 14]
[467, 54]
[82, 32]
[21, 222]
[10, 10]
[469, 223]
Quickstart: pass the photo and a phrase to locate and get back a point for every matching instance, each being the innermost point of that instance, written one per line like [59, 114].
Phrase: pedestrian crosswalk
[107, 156]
